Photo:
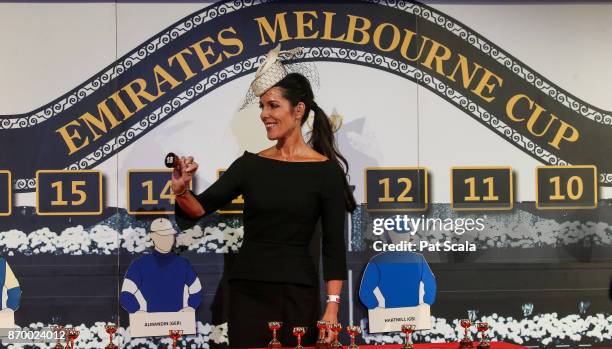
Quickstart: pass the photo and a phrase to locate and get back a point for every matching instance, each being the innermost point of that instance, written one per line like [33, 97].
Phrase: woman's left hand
[331, 316]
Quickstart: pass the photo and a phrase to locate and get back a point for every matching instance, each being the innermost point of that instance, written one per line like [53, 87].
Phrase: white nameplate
[7, 319]
[159, 324]
[392, 319]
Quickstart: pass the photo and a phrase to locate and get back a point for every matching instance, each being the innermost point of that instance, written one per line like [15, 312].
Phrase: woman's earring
[310, 120]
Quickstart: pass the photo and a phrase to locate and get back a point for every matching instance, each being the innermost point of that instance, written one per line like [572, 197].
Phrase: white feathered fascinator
[272, 70]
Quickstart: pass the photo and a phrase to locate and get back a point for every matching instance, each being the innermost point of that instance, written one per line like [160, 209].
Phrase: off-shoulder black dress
[274, 276]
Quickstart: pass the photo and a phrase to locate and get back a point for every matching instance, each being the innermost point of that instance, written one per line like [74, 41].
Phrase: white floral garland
[524, 230]
[544, 329]
[103, 240]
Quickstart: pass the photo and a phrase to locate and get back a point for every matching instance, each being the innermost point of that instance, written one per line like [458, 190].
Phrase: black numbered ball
[171, 160]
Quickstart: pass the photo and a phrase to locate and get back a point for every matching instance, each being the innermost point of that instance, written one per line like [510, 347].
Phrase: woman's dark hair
[296, 88]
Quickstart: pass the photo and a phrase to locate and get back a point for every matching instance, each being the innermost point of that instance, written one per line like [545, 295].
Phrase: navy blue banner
[225, 41]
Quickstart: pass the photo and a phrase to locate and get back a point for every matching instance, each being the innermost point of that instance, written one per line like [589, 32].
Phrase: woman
[286, 189]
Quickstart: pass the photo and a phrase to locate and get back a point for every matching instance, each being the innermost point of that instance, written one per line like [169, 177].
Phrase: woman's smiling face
[278, 115]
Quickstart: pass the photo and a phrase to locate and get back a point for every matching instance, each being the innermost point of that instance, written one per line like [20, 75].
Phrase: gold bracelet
[182, 193]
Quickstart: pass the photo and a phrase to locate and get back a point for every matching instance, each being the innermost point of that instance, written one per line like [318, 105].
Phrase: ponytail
[296, 88]
[322, 134]
[322, 140]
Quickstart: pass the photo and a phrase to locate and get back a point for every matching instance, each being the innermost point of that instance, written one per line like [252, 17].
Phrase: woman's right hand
[183, 173]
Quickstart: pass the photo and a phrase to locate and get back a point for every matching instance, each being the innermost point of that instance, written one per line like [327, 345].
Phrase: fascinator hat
[274, 68]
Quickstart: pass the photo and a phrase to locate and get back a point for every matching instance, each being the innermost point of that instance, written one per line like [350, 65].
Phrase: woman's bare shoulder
[267, 152]
[316, 156]
[312, 154]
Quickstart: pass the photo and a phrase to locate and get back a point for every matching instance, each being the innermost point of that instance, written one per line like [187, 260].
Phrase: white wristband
[333, 298]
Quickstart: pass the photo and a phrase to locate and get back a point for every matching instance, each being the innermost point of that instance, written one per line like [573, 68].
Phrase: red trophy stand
[72, 334]
[482, 327]
[353, 331]
[322, 325]
[274, 326]
[466, 342]
[111, 330]
[299, 332]
[336, 329]
[175, 335]
[407, 329]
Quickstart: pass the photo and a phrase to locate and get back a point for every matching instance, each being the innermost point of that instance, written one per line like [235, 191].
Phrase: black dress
[274, 276]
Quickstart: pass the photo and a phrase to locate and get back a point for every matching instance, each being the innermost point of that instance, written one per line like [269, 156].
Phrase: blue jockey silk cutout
[160, 282]
[11, 292]
[399, 277]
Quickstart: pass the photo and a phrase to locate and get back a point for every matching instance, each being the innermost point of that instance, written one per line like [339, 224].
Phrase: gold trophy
[353, 331]
[407, 329]
[274, 326]
[466, 342]
[111, 330]
[299, 332]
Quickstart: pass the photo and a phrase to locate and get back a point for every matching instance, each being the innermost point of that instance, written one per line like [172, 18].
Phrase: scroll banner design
[225, 41]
